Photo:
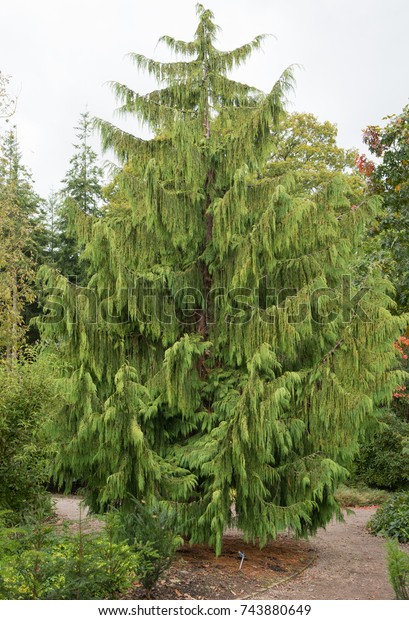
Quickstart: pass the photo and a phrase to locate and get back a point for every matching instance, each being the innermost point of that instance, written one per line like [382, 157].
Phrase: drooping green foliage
[383, 460]
[220, 360]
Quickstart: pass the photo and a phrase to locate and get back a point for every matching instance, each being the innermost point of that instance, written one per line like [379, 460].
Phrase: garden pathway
[350, 564]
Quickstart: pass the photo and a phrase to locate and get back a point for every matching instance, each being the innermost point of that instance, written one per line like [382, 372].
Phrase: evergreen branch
[157, 108]
[332, 351]
[284, 85]
[165, 70]
[254, 133]
[227, 92]
[121, 141]
[180, 47]
[228, 60]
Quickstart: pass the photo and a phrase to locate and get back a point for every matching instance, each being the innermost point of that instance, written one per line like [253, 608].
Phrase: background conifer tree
[81, 193]
[218, 356]
[22, 239]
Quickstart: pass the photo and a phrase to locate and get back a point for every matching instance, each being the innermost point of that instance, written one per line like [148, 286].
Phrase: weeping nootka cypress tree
[220, 355]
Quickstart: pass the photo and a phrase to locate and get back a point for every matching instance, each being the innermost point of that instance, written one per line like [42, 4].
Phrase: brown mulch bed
[197, 573]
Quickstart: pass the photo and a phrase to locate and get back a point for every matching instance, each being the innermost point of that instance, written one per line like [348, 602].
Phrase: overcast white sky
[60, 54]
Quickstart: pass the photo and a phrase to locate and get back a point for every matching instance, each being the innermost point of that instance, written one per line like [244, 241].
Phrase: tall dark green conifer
[218, 356]
[81, 194]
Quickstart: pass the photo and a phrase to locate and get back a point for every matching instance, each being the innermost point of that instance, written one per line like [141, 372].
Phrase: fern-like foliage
[398, 570]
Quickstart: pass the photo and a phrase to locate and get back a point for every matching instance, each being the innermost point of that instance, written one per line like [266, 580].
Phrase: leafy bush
[28, 570]
[148, 532]
[398, 570]
[37, 563]
[26, 395]
[96, 566]
[384, 461]
[392, 519]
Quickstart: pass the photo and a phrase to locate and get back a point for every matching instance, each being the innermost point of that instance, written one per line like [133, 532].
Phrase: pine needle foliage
[188, 380]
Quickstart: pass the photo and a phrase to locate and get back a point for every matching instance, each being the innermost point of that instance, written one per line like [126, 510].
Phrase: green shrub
[26, 396]
[156, 544]
[398, 570]
[392, 519]
[38, 563]
[28, 569]
[97, 565]
[384, 461]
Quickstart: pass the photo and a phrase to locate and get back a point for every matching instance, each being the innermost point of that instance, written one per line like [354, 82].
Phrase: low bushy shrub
[26, 396]
[28, 568]
[392, 519]
[36, 562]
[384, 461]
[148, 532]
[398, 570]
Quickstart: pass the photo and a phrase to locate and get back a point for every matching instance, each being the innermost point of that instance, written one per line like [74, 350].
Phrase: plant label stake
[243, 557]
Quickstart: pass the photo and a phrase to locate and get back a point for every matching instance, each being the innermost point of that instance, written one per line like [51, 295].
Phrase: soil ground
[342, 562]
[197, 574]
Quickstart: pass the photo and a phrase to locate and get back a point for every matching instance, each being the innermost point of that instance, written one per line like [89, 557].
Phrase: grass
[361, 495]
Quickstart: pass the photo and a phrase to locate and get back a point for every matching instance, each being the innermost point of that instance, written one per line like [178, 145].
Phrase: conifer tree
[21, 243]
[81, 192]
[218, 356]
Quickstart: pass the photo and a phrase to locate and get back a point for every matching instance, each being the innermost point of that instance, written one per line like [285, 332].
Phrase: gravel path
[69, 507]
[350, 565]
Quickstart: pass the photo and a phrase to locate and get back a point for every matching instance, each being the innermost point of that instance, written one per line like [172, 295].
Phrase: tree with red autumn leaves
[383, 460]
[389, 248]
